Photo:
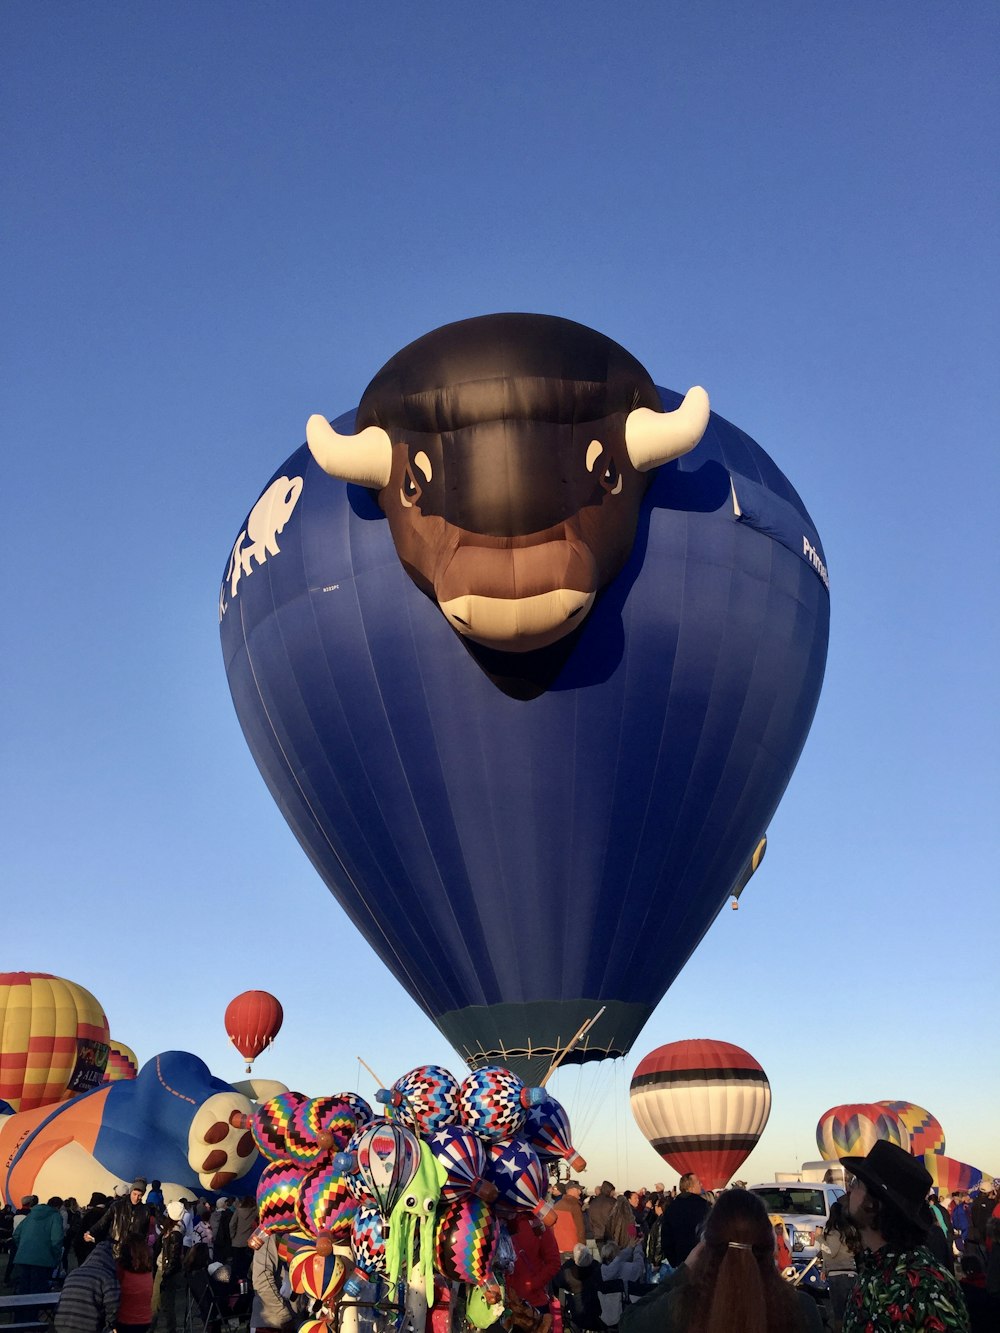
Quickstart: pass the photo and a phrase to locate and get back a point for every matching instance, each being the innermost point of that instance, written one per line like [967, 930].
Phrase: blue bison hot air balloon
[526, 650]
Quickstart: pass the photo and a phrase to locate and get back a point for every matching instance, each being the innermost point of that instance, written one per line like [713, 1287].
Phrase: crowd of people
[892, 1254]
[130, 1263]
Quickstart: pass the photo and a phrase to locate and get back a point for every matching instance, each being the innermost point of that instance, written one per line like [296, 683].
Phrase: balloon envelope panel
[455, 824]
[926, 1134]
[852, 1130]
[54, 1040]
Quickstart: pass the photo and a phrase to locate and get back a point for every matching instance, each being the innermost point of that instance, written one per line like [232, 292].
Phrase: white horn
[652, 438]
[365, 458]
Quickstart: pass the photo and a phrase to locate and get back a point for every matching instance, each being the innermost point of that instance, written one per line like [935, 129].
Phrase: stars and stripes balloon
[463, 1157]
[424, 1100]
[852, 1130]
[547, 1129]
[702, 1105]
[514, 1167]
[465, 1240]
[926, 1134]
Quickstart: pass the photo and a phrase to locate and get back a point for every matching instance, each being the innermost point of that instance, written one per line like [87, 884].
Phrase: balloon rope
[575, 1042]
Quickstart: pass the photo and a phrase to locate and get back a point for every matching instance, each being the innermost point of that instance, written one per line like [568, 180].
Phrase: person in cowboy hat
[900, 1283]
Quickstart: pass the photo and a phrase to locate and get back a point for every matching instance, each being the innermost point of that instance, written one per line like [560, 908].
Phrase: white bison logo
[266, 519]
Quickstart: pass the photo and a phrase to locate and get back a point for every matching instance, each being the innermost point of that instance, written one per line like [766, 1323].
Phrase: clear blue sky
[220, 218]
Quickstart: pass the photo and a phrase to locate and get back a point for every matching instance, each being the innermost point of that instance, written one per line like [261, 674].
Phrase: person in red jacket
[536, 1261]
[135, 1275]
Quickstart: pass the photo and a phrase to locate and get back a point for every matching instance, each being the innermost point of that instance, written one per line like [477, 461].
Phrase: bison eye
[410, 489]
[611, 478]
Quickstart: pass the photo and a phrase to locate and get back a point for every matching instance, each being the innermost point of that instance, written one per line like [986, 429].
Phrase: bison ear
[653, 438]
[365, 458]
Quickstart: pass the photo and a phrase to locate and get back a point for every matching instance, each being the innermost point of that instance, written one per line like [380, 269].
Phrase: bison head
[509, 453]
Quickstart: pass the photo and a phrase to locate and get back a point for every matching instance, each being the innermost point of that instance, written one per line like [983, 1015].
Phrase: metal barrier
[15, 1303]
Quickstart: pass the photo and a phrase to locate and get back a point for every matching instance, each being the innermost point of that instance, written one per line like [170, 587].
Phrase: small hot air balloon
[122, 1062]
[926, 1134]
[463, 1157]
[494, 1102]
[271, 1124]
[702, 1105]
[253, 1020]
[319, 1126]
[852, 1130]
[277, 1197]
[424, 1100]
[547, 1129]
[465, 1240]
[388, 1158]
[326, 1204]
[520, 1178]
[320, 1276]
[55, 1040]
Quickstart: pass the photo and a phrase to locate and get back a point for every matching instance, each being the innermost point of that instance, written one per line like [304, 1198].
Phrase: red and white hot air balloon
[253, 1020]
[703, 1105]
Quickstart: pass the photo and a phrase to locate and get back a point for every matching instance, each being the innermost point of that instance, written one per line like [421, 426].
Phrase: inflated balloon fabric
[702, 1104]
[547, 1129]
[270, 1125]
[465, 1240]
[326, 1202]
[54, 1040]
[319, 1116]
[527, 837]
[316, 1275]
[122, 1062]
[425, 1099]
[852, 1130]
[277, 1196]
[388, 1160]
[492, 1104]
[368, 1241]
[518, 1174]
[461, 1154]
[926, 1134]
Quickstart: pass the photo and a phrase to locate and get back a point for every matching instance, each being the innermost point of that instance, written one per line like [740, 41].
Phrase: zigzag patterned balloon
[546, 1127]
[424, 1100]
[277, 1194]
[388, 1158]
[463, 1157]
[326, 1203]
[291, 1243]
[318, 1127]
[520, 1178]
[926, 1134]
[465, 1240]
[853, 1130]
[493, 1102]
[362, 1111]
[368, 1242]
[271, 1122]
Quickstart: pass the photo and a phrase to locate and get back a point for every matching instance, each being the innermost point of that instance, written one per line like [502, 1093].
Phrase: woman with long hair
[733, 1284]
[135, 1276]
[838, 1244]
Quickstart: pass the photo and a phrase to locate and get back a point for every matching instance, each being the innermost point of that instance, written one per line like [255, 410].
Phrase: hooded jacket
[88, 1302]
[38, 1241]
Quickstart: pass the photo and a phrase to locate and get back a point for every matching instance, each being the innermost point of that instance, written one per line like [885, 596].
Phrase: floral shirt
[904, 1290]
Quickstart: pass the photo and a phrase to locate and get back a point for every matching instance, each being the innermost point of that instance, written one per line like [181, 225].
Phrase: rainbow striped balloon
[949, 1175]
[852, 1130]
[277, 1196]
[326, 1203]
[318, 1127]
[123, 1063]
[317, 1275]
[465, 1240]
[271, 1122]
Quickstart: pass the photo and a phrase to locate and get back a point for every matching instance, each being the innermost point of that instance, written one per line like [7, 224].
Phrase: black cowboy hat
[890, 1173]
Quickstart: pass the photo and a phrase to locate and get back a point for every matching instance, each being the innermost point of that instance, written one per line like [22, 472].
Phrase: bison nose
[518, 624]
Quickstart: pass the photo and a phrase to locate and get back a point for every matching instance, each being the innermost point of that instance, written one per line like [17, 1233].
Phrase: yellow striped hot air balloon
[53, 1040]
